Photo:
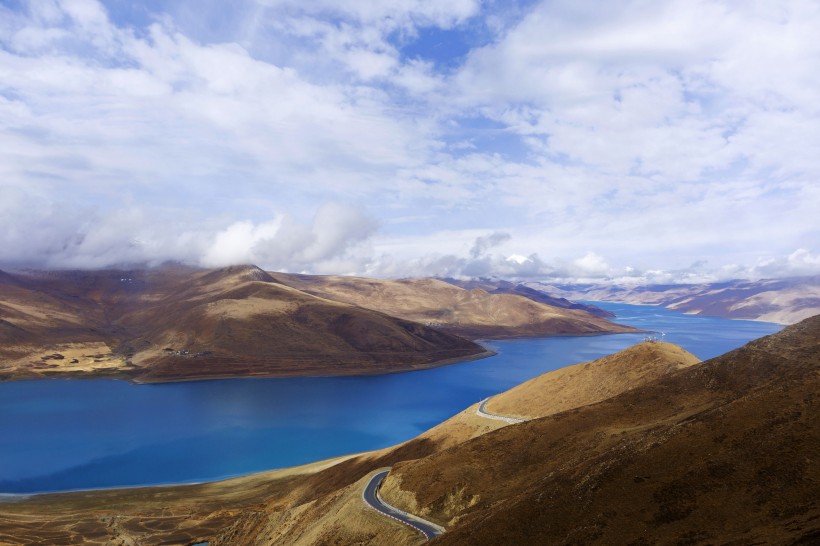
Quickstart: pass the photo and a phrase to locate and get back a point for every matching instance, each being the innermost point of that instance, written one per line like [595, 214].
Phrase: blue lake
[58, 435]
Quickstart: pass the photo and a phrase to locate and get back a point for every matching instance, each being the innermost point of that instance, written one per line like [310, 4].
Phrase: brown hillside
[475, 314]
[722, 453]
[180, 323]
[566, 388]
[591, 382]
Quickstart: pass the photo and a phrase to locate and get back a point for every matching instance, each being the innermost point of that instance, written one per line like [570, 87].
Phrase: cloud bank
[406, 137]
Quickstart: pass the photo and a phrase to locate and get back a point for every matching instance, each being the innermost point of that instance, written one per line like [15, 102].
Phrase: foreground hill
[475, 313]
[178, 323]
[785, 301]
[721, 452]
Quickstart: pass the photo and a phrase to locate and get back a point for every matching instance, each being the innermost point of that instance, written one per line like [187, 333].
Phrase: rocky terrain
[784, 301]
[646, 446]
[474, 313]
[179, 323]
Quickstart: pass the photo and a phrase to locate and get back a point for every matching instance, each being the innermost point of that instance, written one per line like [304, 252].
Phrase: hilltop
[583, 384]
[473, 313]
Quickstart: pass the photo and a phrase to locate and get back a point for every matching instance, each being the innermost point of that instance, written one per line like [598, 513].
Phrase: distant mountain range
[785, 301]
[179, 323]
[647, 446]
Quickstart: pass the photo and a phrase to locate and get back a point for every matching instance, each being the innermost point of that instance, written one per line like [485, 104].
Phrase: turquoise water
[58, 435]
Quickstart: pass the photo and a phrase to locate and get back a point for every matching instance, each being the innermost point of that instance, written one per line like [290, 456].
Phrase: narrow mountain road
[481, 411]
[371, 497]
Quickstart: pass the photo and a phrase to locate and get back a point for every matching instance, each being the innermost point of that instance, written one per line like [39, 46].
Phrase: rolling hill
[583, 384]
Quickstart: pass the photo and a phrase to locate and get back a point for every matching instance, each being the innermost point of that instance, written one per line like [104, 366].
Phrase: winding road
[371, 497]
[430, 530]
[481, 411]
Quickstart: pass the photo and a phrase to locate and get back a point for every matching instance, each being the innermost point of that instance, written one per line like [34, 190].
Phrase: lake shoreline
[118, 434]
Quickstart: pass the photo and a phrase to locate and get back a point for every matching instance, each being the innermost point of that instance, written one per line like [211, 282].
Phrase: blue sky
[658, 141]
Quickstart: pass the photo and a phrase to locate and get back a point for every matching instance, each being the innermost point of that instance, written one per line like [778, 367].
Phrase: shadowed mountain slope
[178, 323]
[471, 313]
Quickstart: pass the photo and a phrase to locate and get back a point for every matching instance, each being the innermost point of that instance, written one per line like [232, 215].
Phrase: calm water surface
[77, 434]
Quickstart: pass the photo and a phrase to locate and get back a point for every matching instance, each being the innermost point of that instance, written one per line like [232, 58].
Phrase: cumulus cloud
[45, 234]
[799, 263]
[285, 244]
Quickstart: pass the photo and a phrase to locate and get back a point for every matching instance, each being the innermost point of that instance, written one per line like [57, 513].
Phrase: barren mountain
[785, 301]
[472, 313]
[178, 323]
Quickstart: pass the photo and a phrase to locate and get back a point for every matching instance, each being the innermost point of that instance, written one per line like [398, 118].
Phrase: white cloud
[592, 265]
[799, 263]
[285, 244]
[597, 136]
